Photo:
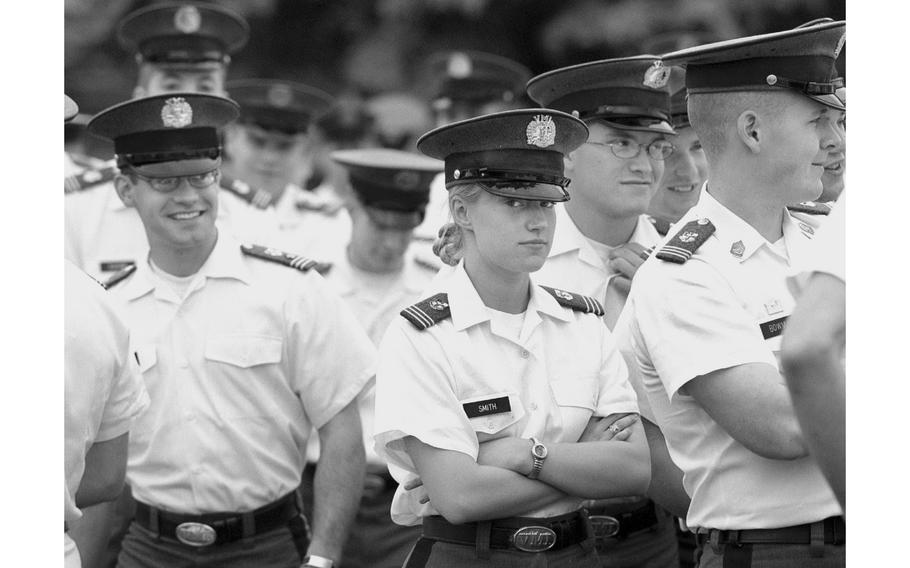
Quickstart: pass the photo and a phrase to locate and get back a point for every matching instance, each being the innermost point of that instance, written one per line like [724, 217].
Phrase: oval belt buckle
[604, 526]
[196, 534]
[533, 539]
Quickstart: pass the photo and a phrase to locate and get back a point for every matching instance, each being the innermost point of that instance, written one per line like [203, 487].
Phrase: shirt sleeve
[415, 396]
[332, 359]
[690, 323]
[616, 394]
[127, 397]
[621, 334]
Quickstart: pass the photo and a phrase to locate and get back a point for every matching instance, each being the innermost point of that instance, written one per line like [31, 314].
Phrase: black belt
[829, 531]
[527, 534]
[217, 528]
[608, 524]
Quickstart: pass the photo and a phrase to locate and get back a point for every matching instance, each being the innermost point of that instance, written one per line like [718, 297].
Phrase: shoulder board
[301, 263]
[811, 208]
[86, 161]
[88, 179]
[686, 241]
[427, 313]
[258, 198]
[662, 225]
[576, 302]
[119, 276]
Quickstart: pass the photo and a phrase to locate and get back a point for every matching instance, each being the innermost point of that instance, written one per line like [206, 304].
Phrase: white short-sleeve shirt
[574, 264]
[311, 223]
[239, 372]
[563, 370]
[101, 235]
[724, 307]
[103, 392]
[830, 248]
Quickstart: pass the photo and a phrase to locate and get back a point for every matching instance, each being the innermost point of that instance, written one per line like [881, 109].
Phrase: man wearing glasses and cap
[602, 236]
[708, 309]
[243, 348]
[183, 47]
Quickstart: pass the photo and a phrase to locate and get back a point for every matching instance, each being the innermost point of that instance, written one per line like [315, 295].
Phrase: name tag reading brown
[487, 407]
[773, 328]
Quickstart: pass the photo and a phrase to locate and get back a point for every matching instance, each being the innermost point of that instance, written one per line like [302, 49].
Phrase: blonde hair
[449, 244]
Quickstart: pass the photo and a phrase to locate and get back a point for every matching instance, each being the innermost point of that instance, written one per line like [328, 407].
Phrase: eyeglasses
[628, 149]
[169, 184]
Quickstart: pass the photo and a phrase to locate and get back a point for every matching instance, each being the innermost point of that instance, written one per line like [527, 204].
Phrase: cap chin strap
[481, 175]
[807, 87]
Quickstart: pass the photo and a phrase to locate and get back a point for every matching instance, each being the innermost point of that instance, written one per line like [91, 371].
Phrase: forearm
[338, 484]
[490, 492]
[105, 470]
[666, 486]
[598, 470]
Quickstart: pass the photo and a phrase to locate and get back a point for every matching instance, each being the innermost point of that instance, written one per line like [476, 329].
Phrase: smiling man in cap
[244, 349]
[178, 46]
[603, 235]
[708, 308]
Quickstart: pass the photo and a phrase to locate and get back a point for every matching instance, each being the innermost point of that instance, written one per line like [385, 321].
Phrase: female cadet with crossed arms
[507, 399]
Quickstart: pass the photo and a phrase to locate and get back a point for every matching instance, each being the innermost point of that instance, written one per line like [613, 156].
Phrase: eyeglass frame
[638, 146]
[153, 180]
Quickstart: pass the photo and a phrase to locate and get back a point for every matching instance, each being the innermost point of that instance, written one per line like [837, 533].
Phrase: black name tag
[115, 265]
[487, 407]
[773, 328]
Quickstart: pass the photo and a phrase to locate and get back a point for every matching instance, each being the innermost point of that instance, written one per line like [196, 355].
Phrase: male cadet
[686, 170]
[179, 47]
[377, 275]
[603, 235]
[708, 308]
[462, 85]
[272, 146]
[102, 394]
[243, 349]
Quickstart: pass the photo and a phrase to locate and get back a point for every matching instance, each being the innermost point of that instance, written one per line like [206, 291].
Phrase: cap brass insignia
[688, 236]
[459, 66]
[176, 113]
[738, 249]
[280, 96]
[187, 19]
[542, 131]
[656, 76]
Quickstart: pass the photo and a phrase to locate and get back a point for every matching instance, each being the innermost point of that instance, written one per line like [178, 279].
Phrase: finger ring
[613, 428]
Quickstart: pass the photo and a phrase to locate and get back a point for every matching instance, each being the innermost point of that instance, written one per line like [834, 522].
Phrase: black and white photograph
[457, 283]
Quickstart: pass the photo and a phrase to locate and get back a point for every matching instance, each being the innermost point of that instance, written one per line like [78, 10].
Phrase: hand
[625, 259]
[609, 429]
[417, 483]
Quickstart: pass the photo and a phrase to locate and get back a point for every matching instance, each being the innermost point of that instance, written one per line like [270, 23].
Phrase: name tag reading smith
[486, 407]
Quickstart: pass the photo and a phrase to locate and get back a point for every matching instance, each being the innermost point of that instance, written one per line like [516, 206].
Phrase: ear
[124, 188]
[460, 213]
[568, 161]
[749, 129]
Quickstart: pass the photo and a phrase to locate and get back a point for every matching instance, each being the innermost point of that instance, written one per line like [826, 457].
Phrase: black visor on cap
[182, 49]
[384, 196]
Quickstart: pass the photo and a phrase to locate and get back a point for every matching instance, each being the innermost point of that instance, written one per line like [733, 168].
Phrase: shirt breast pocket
[146, 357]
[243, 350]
[575, 393]
[492, 413]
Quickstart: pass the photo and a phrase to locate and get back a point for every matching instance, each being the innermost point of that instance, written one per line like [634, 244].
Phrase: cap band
[488, 176]
[759, 72]
[286, 121]
[387, 197]
[183, 49]
[623, 100]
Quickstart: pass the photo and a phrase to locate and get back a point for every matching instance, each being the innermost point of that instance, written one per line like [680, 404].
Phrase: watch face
[539, 450]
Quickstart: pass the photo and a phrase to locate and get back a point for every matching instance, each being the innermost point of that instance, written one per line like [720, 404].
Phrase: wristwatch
[318, 561]
[538, 454]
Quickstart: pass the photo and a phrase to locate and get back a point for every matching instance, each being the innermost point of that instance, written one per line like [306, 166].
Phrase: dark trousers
[437, 554]
[654, 548]
[374, 540]
[770, 556]
[283, 547]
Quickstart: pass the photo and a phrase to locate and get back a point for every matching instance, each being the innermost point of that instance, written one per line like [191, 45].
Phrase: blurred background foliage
[370, 47]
